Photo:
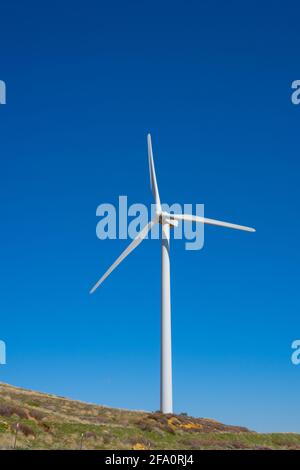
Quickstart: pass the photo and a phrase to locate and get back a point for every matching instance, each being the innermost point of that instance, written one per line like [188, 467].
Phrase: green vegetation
[32, 420]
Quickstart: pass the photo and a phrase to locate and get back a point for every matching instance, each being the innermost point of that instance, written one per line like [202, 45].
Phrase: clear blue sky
[211, 81]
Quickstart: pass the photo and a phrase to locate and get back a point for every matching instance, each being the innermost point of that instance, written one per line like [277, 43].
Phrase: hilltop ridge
[35, 420]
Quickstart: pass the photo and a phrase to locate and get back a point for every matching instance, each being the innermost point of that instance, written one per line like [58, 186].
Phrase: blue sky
[85, 82]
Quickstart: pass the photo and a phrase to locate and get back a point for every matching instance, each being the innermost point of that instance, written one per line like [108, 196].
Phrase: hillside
[33, 420]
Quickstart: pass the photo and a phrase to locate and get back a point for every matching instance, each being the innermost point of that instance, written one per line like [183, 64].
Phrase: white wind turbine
[166, 220]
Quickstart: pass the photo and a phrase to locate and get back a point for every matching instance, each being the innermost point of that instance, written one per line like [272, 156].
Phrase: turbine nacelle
[166, 218]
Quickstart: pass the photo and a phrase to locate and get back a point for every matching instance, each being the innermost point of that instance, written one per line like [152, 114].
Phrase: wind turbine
[166, 220]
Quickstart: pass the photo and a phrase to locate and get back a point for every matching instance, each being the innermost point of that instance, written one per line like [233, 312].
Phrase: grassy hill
[33, 420]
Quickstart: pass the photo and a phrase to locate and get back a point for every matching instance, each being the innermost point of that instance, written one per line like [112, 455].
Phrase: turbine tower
[166, 220]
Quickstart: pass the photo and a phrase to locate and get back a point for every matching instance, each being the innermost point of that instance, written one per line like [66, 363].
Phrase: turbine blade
[205, 220]
[153, 181]
[140, 237]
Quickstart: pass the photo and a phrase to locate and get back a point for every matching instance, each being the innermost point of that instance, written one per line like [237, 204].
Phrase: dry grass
[50, 422]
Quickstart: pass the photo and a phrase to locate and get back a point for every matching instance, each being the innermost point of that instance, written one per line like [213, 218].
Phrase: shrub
[90, 435]
[24, 428]
[107, 438]
[10, 410]
[37, 414]
[33, 403]
[139, 440]
[144, 425]
[46, 427]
